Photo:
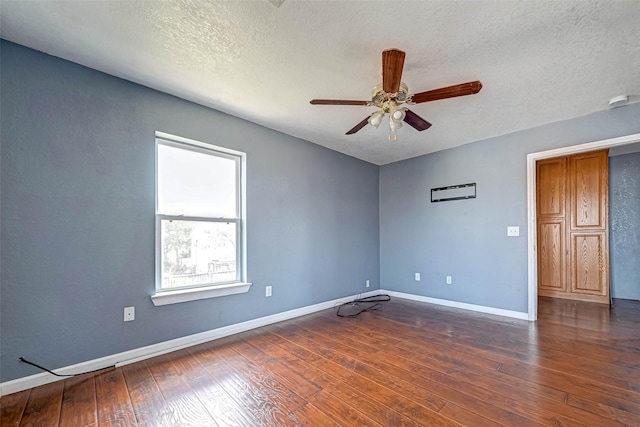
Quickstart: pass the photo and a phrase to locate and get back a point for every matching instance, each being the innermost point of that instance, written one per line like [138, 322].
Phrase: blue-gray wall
[78, 208]
[624, 221]
[467, 239]
[77, 215]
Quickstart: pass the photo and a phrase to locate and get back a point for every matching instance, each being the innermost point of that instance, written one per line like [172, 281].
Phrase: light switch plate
[513, 231]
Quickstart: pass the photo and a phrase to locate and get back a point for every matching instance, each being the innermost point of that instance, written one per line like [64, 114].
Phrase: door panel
[589, 182]
[589, 263]
[551, 259]
[551, 187]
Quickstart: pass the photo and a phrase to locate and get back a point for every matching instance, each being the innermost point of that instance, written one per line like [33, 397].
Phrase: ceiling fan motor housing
[384, 100]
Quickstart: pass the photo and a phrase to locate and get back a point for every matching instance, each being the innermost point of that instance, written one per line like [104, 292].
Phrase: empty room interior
[345, 213]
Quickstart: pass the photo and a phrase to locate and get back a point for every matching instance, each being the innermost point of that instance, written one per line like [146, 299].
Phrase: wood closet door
[551, 221]
[588, 235]
[572, 226]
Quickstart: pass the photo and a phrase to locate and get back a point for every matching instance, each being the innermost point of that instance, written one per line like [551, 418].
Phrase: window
[199, 221]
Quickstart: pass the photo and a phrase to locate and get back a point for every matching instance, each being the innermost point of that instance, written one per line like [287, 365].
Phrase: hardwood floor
[406, 364]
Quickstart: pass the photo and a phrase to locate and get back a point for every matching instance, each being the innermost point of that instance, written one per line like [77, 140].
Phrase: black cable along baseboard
[375, 300]
[23, 360]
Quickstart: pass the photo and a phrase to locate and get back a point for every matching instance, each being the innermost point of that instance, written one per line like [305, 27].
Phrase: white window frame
[240, 285]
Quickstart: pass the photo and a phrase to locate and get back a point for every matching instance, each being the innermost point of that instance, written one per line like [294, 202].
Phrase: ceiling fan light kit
[376, 118]
[389, 96]
[397, 114]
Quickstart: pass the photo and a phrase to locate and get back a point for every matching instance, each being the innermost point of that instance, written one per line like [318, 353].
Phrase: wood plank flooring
[406, 364]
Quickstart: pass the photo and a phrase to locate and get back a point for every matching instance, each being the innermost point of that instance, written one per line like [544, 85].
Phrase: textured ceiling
[539, 61]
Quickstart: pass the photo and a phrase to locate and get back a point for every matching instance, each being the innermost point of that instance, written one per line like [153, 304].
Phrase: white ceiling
[264, 60]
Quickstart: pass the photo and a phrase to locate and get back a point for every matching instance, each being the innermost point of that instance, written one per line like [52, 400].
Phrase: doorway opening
[532, 158]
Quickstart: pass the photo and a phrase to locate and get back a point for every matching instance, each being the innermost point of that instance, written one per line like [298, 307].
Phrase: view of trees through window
[198, 193]
[197, 252]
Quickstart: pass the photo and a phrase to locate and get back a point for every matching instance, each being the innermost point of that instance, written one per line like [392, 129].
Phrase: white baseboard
[462, 305]
[142, 353]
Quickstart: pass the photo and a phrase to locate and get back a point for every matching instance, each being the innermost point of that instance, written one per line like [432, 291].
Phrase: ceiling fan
[392, 93]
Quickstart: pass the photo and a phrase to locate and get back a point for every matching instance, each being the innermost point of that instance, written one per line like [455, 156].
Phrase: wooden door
[588, 235]
[551, 221]
[572, 226]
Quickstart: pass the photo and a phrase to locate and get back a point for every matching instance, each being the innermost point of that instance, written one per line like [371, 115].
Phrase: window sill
[184, 295]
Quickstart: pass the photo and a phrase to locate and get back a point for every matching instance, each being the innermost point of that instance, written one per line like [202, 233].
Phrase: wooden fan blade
[417, 122]
[338, 102]
[462, 89]
[359, 126]
[392, 63]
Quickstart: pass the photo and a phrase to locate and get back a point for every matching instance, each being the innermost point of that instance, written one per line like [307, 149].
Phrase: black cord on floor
[343, 309]
[22, 359]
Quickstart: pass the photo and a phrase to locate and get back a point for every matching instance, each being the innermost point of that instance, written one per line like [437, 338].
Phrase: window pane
[197, 253]
[193, 183]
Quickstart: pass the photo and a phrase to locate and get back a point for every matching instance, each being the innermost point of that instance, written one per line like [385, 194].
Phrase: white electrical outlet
[417, 277]
[448, 280]
[129, 314]
[267, 291]
[367, 283]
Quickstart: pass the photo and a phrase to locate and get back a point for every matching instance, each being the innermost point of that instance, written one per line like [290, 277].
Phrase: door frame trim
[532, 158]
